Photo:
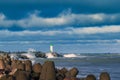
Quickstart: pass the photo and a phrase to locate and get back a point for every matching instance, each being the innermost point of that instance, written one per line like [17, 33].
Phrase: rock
[1, 57]
[71, 78]
[1, 75]
[13, 71]
[18, 64]
[8, 61]
[37, 68]
[48, 71]
[21, 75]
[82, 79]
[55, 54]
[60, 76]
[40, 54]
[28, 65]
[104, 76]
[7, 77]
[14, 64]
[68, 78]
[90, 77]
[72, 72]
[63, 70]
[35, 76]
[6, 56]
[8, 67]
[2, 64]
[21, 66]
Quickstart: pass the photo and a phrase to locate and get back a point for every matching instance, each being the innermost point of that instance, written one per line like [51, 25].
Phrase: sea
[91, 63]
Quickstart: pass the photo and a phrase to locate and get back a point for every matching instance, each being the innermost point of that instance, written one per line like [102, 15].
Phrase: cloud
[96, 30]
[69, 19]
[4, 22]
[28, 33]
[65, 18]
[77, 41]
[66, 31]
[35, 21]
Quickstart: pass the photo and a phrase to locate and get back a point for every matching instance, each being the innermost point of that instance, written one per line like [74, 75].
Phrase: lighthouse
[51, 48]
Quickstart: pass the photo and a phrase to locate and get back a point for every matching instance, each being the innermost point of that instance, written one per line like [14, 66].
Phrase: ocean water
[89, 64]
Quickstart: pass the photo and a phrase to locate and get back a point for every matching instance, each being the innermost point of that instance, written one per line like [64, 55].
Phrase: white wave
[73, 55]
[30, 53]
[13, 56]
[49, 55]
[70, 55]
[30, 50]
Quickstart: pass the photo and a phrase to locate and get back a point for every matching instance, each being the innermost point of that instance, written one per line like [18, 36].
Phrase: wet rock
[23, 57]
[37, 68]
[104, 76]
[48, 71]
[40, 54]
[72, 72]
[64, 70]
[60, 76]
[90, 77]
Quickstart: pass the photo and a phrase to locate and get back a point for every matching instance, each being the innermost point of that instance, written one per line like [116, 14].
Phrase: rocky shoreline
[13, 69]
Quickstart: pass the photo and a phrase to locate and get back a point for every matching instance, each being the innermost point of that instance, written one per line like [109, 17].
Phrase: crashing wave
[70, 55]
[32, 53]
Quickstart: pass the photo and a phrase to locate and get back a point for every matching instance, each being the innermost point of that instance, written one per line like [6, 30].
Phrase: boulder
[48, 71]
[28, 65]
[2, 64]
[72, 72]
[8, 67]
[67, 78]
[1, 57]
[63, 70]
[90, 77]
[21, 75]
[60, 76]
[14, 64]
[8, 61]
[13, 71]
[37, 68]
[71, 78]
[35, 76]
[21, 66]
[7, 77]
[104, 76]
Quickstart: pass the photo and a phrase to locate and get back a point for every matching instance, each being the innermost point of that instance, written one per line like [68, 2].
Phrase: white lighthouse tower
[51, 48]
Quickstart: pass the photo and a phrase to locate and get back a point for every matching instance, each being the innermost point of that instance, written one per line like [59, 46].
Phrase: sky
[72, 26]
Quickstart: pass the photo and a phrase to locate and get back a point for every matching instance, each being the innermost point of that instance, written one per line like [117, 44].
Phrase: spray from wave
[49, 55]
[70, 55]
[73, 56]
[31, 54]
